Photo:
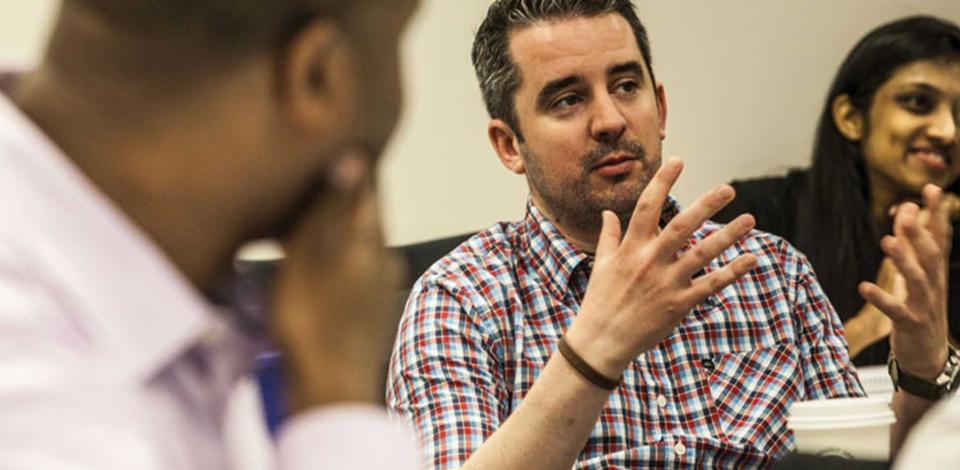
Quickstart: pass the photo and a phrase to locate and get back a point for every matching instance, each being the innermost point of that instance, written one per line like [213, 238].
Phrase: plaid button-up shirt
[481, 324]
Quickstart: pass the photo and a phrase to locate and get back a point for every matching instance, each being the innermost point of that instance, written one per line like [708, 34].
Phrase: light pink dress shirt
[109, 359]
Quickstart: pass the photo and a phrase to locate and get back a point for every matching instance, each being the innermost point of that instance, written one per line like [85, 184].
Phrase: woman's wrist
[864, 329]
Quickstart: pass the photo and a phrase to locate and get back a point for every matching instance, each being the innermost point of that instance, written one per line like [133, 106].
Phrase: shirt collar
[553, 257]
[138, 309]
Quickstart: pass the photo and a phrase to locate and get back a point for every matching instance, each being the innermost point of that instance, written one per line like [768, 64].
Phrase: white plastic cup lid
[840, 413]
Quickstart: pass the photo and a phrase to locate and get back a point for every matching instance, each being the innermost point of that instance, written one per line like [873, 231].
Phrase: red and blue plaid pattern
[481, 323]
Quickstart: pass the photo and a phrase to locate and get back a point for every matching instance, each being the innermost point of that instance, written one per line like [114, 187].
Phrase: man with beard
[691, 339]
[156, 138]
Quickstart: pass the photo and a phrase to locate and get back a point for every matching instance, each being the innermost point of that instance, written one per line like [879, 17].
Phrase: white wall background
[745, 82]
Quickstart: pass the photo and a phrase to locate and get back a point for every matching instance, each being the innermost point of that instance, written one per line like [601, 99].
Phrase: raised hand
[919, 248]
[640, 289]
[333, 314]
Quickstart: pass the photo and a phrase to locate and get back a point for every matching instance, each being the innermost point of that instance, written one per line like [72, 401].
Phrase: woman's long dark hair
[835, 229]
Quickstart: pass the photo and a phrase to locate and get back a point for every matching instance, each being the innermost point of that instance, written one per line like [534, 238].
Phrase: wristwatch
[943, 385]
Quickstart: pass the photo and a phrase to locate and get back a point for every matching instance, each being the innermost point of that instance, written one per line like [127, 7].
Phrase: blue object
[269, 374]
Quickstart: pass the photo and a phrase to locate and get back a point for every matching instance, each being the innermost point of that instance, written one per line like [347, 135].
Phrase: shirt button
[680, 449]
[662, 401]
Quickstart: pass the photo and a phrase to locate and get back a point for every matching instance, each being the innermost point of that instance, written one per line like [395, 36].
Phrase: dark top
[775, 202]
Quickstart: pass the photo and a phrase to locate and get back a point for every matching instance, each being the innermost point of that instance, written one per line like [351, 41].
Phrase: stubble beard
[579, 207]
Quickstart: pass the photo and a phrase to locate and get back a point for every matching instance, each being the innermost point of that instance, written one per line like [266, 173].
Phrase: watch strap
[945, 383]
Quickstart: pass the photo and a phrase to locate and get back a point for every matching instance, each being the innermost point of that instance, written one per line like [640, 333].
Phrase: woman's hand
[919, 248]
[870, 325]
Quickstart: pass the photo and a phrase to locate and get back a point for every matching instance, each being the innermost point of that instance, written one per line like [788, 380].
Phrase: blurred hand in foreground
[332, 314]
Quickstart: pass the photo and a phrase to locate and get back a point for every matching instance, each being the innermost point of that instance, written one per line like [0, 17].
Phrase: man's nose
[608, 123]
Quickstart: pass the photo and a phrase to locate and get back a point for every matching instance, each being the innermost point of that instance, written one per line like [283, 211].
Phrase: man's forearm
[550, 427]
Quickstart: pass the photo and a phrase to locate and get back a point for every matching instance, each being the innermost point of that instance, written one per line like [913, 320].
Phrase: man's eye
[627, 86]
[565, 102]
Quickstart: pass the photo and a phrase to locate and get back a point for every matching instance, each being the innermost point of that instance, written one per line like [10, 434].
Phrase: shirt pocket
[751, 391]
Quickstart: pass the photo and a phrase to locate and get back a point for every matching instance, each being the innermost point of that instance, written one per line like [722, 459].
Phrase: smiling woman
[888, 127]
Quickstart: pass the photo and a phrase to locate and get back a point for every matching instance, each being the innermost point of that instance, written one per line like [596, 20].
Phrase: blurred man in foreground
[154, 139]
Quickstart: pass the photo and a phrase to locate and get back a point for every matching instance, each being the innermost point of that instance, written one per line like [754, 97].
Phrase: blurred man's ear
[847, 118]
[507, 145]
[317, 79]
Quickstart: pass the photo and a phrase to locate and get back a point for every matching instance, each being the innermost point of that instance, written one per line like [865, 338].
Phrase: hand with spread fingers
[919, 249]
[640, 289]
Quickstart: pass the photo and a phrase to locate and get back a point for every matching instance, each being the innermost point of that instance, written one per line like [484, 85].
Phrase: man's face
[591, 118]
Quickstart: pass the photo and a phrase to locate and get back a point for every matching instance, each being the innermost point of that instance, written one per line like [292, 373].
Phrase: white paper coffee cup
[855, 428]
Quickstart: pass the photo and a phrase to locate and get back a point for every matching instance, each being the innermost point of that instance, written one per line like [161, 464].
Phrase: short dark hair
[496, 71]
[834, 217]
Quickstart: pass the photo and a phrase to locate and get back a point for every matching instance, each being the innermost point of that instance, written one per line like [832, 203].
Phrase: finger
[366, 218]
[915, 278]
[609, 239]
[886, 274]
[924, 247]
[903, 258]
[887, 304]
[932, 204]
[646, 214]
[338, 191]
[348, 172]
[938, 213]
[899, 286]
[709, 248]
[907, 214]
[676, 234]
[951, 203]
[918, 242]
[709, 284]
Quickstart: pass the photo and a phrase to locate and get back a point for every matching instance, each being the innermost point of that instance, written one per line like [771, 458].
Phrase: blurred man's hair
[215, 32]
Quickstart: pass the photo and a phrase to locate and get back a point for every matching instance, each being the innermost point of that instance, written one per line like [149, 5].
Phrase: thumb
[609, 235]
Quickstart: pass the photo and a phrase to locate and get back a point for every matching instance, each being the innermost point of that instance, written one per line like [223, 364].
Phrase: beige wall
[23, 25]
[745, 82]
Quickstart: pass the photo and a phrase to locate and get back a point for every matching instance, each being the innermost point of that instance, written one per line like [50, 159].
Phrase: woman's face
[912, 137]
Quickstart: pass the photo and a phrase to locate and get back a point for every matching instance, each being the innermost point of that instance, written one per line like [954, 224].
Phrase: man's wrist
[601, 355]
[584, 368]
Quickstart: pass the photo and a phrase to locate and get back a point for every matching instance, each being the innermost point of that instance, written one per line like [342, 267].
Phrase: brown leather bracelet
[586, 370]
